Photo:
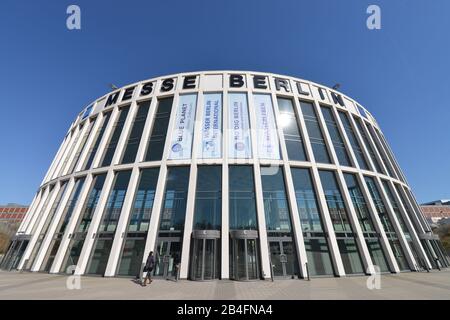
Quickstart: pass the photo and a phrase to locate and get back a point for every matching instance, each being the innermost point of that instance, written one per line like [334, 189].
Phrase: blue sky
[400, 73]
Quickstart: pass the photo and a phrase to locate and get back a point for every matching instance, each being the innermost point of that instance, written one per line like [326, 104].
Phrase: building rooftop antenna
[113, 86]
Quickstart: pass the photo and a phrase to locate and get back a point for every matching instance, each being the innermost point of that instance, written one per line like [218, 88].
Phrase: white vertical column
[189, 218]
[262, 230]
[225, 230]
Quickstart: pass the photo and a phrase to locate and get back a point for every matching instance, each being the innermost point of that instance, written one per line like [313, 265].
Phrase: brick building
[12, 213]
[437, 210]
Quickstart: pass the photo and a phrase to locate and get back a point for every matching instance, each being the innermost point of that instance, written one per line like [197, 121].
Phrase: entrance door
[283, 258]
[168, 255]
[205, 255]
[244, 255]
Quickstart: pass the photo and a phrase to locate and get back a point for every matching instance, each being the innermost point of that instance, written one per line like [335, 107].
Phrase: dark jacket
[150, 263]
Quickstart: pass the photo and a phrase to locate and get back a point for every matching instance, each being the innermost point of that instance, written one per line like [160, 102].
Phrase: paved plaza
[433, 285]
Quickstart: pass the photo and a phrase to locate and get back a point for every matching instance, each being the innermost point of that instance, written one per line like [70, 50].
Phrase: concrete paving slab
[40, 286]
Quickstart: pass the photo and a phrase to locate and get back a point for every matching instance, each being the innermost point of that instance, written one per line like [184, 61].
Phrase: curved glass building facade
[225, 175]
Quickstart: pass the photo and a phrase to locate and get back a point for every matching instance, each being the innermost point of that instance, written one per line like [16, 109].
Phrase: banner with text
[268, 147]
[211, 146]
[239, 145]
[183, 130]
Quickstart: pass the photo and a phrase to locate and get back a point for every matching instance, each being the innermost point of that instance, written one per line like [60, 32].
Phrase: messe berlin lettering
[190, 82]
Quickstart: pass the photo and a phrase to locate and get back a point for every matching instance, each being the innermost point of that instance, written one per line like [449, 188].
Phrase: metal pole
[307, 270]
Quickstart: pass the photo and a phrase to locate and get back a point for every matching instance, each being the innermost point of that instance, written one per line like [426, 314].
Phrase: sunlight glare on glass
[285, 120]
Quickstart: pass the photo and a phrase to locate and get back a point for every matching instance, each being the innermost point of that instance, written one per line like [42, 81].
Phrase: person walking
[149, 268]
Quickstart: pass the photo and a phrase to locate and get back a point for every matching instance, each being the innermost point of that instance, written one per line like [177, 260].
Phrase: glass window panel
[134, 139]
[242, 205]
[377, 255]
[359, 203]
[368, 144]
[70, 205]
[350, 256]
[276, 207]
[379, 205]
[114, 140]
[47, 223]
[138, 224]
[389, 153]
[335, 203]
[306, 201]
[289, 123]
[155, 145]
[115, 201]
[405, 205]
[77, 240]
[396, 208]
[336, 138]
[143, 201]
[98, 137]
[386, 222]
[208, 199]
[357, 150]
[315, 133]
[381, 152]
[131, 259]
[91, 203]
[81, 146]
[100, 255]
[319, 260]
[71, 148]
[399, 254]
[173, 210]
